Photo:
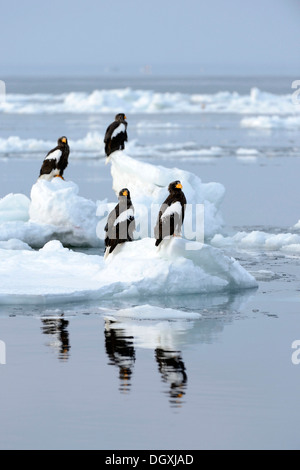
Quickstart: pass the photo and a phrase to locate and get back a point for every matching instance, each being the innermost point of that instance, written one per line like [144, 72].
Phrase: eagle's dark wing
[47, 167]
[110, 130]
[113, 215]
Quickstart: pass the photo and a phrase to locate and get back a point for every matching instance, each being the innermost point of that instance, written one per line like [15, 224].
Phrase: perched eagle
[56, 160]
[171, 214]
[120, 223]
[116, 135]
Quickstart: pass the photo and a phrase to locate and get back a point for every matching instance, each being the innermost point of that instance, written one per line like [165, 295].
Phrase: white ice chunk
[56, 274]
[258, 240]
[14, 244]
[14, 207]
[271, 122]
[245, 151]
[297, 226]
[148, 312]
[55, 211]
[57, 203]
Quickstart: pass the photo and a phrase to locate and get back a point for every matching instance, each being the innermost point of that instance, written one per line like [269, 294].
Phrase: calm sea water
[74, 380]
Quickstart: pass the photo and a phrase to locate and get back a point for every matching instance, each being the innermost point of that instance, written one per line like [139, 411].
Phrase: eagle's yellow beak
[64, 140]
[125, 193]
[179, 186]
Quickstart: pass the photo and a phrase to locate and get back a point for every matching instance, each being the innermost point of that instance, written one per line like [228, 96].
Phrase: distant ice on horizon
[272, 122]
[148, 101]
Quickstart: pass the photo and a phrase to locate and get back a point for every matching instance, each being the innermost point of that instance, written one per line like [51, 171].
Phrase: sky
[94, 36]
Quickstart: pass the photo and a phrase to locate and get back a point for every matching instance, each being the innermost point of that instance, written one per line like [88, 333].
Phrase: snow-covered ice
[150, 312]
[57, 203]
[244, 151]
[55, 274]
[57, 215]
[297, 226]
[14, 244]
[259, 240]
[14, 207]
[55, 211]
[272, 122]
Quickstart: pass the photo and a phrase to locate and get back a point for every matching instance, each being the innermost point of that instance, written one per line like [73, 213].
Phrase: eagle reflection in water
[119, 345]
[172, 370]
[121, 353]
[57, 329]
